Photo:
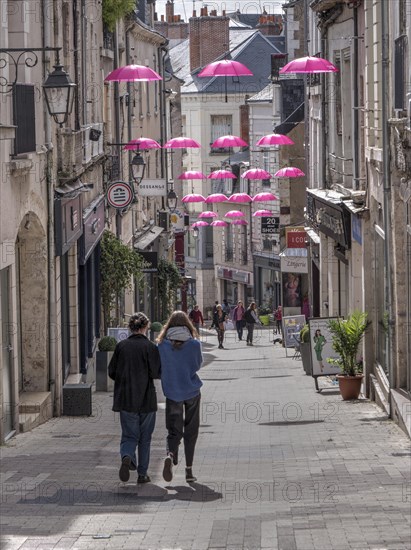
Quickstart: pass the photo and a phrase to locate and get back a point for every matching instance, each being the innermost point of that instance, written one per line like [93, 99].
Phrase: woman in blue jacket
[181, 358]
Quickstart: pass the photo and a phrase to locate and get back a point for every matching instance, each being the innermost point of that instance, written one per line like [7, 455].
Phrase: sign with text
[296, 237]
[294, 264]
[152, 188]
[270, 225]
[150, 260]
[119, 194]
[291, 329]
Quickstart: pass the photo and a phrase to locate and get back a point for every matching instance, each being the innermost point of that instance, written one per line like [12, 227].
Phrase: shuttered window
[220, 126]
[400, 73]
[24, 118]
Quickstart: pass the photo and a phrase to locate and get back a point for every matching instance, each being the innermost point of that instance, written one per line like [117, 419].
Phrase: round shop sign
[119, 194]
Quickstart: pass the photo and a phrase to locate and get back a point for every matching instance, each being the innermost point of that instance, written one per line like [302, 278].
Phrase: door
[6, 353]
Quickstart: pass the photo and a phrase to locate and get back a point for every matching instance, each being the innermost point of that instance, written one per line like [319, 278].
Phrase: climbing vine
[113, 10]
[169, 281]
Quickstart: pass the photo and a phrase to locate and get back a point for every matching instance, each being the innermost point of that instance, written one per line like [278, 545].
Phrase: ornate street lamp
[59, 93]
[138, 167]
[171, 200]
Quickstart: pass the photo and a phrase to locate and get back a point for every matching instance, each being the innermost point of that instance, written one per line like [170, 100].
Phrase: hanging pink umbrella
[208, 214]
[132, 73]
[216, 197]
[193, 197]
[256, 174]
[191, 175]
[239, 222]
[225, 67]
[221, 174]
[142, 143]
[234, 214]
[274, 139]
[228, 141]
[310, 65]
[289, 172]
[201, 223]
[181, 143]
[240, 197]
[263, 197]
[219, 223]
[262, 213]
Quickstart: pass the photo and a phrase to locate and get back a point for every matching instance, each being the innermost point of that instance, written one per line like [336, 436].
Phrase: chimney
[209, 38]
[169, 11]
[270, 25]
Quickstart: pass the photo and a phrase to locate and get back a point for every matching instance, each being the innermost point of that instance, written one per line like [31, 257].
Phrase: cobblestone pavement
[279, 466]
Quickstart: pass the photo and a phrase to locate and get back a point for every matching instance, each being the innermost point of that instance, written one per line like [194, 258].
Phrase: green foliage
[107, 343]
[113, 10]
[119, 266]
[305, 334]
[346, 339]
[264, 310]
[169, 280]
[156, 326]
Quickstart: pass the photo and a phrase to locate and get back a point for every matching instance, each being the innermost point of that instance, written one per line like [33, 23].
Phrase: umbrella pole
[225, 88]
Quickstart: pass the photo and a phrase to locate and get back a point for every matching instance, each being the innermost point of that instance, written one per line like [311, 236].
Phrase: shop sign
[329, 219]
[150, 260]
[294, 264]
[241, 276]
[296, 238]
[177, 221]
[119, 194]
[68, 223]
[270, 225]
[93, 223]
[223, 273]
[152, 188]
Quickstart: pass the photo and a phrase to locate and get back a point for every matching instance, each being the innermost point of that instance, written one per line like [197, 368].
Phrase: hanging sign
[119, 194]
[152, 188]
[270, 225]
[295, 237]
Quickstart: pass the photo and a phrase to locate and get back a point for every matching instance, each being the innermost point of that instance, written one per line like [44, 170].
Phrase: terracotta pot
[350, 386]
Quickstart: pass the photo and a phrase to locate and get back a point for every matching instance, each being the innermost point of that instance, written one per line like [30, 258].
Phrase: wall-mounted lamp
[138, 167]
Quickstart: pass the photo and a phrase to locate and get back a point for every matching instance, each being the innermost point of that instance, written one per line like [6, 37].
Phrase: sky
[185, 7]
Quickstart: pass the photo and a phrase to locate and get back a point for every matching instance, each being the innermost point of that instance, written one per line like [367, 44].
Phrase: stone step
[28, 421]
[34, 402]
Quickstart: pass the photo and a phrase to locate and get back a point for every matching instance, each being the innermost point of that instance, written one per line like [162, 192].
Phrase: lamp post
[171, 200]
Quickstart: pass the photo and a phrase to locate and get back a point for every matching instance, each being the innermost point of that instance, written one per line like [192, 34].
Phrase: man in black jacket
[134, 365]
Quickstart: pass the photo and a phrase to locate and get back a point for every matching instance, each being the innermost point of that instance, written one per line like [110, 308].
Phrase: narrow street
[279, 466]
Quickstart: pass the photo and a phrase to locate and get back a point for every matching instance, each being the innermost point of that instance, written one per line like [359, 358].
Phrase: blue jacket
[179, 366]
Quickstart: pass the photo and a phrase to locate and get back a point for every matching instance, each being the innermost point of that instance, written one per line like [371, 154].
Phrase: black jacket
[248, 316]
[135, 362]
[217, 320]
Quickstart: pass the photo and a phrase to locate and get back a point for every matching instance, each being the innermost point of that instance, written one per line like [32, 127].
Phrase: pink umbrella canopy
[221, 174]
[193, 197]
[289, 172]
[208, 214]
[309, 64]
[191, 175]
[239, 222]
[262, 213]
[240, 197]
[132, 73]
[274, 139]
[229, 141]
[225, 67]
[142, 143]
[263, 197]
[181, 143]
[216, 197]
[219, 223]
[256, 174]
[201, 223]
[234, 214]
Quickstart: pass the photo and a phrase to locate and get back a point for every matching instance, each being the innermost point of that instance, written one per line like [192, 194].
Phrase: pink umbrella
[193, 197]
[219, 223]
[216, 197]
[234, 214]
[181, 143]
[208, 214]
[132, 73]
[142, 143]
[239, 222]
[191, 175]
[309, 65]
[240, 197]
[221, 174]
[225, 67]
[274, 139]
[262, 213]
[256, 174]
[289, 172]
[229, 141]
[201, 223]
[263, 197]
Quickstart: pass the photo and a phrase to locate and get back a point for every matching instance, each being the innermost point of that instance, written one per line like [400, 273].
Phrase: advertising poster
[292, 295]
[291, 329]
[321, 348]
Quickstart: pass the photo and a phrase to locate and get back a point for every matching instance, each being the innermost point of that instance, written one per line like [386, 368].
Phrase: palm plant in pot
[346, 338]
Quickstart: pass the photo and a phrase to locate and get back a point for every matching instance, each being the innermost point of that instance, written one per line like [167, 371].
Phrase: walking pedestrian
[278, 316]
[238, 319]
[196, 317]
[218, 322]
[181, 358]
[251, 319]
[134, 365]
[226, 307]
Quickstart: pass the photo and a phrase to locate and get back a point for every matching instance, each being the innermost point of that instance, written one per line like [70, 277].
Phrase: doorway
[6, 354]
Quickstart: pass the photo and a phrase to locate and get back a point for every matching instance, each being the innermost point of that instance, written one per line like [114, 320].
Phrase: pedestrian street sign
[119, 194]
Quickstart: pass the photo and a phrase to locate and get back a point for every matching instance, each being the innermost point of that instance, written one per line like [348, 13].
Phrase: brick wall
[209, 38]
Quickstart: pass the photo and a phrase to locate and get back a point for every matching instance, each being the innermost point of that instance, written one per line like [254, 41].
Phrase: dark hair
[177, 319]
[251, 305]
[138, 321]
[318, 330]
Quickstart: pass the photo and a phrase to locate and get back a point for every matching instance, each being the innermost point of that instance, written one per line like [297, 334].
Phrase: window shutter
[24, 118]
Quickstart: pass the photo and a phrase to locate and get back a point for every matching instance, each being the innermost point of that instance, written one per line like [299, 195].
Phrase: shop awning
[143, 240]
[70, 190]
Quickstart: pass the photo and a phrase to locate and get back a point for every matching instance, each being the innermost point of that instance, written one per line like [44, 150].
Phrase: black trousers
[183, 421]
[250, 332]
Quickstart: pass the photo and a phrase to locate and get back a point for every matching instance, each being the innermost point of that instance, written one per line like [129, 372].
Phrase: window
[244, 254]
[229, 253]
[24, 118]
[400, 53]
[221, 125]
[191, 245]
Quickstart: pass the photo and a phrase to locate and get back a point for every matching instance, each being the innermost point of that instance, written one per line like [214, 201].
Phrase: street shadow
[194, 492]
[291, 423]
[276, 376]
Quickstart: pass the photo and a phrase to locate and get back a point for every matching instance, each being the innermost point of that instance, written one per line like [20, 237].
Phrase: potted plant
[263, 314]
[305, 349]
[346, 338]
[106, 346]
[155, 329]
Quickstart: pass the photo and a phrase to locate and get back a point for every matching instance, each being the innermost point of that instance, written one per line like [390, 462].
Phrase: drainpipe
[385, 102]
[163, 121]
[117, 138]
[354, 81]
[129, 107]
[52, 316]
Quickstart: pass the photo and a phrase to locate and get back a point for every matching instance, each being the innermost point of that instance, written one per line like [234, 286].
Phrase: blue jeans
[137, 430]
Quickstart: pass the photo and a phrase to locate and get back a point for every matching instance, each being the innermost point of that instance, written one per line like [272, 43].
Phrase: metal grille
[24, 118]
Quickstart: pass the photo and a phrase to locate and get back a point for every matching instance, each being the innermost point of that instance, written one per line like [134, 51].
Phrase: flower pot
[305, 350]
[103, 381]
[350, 386]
